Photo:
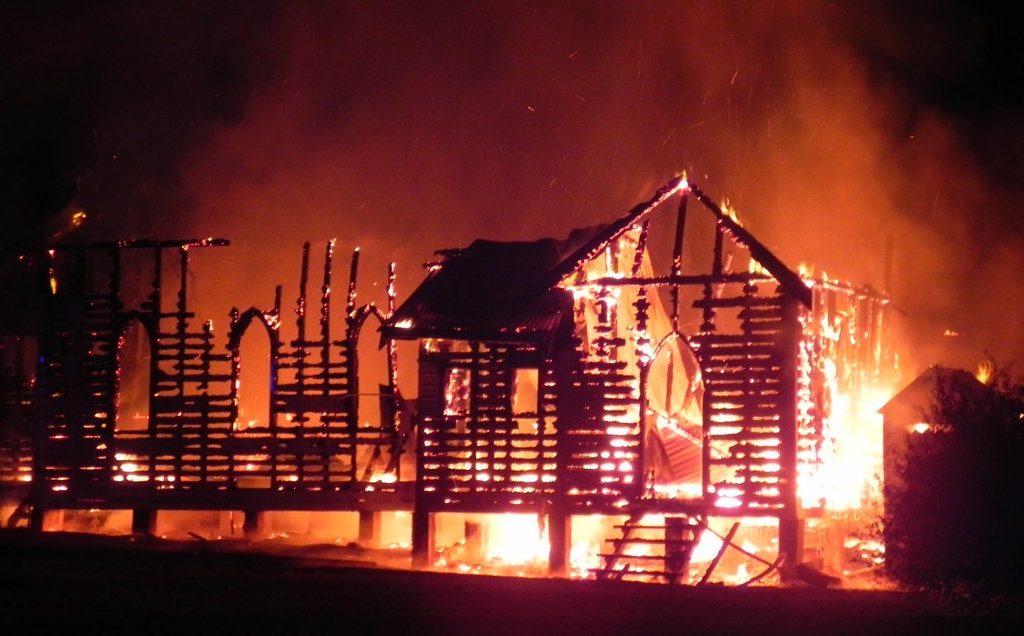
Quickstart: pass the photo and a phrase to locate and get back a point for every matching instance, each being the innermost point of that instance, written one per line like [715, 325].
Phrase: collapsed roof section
[490, 290]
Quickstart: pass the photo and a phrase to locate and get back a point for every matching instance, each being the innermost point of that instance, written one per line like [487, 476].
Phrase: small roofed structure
[912, 409]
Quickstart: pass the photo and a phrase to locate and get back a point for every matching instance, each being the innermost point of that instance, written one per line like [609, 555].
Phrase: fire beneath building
[577, 412]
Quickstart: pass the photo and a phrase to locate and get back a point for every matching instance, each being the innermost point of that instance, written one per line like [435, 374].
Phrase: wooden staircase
[651, 547]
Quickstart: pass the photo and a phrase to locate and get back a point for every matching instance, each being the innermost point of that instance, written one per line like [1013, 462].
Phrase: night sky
[833, 128]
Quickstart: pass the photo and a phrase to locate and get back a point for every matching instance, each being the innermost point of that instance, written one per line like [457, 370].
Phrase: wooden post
[144, 522]
[560, 536]
[37, 519]
[369, 528]
[475, 541]
[791, 522]
[791, 544]
[423, 547]
[254, 525]
[677, 552]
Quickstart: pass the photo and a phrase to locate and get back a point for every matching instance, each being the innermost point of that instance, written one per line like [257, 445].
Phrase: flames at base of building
[507, 544]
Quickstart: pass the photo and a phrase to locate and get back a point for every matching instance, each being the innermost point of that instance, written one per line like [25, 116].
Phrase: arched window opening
[254, 381]
[675, 417]
[133, 391]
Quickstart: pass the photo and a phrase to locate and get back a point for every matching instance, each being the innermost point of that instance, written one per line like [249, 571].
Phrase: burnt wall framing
[475, 445]
[479, 452]
[747, 345]
[18, 414]
[761, 338]
[190, 451]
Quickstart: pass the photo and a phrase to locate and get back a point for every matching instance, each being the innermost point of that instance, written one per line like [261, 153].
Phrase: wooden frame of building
[555, 377]
[183, 444]
[599, 339]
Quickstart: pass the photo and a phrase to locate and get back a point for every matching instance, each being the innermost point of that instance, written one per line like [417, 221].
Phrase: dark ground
[91, 584]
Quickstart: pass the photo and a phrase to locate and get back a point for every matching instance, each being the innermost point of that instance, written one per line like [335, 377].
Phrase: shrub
[952, 504]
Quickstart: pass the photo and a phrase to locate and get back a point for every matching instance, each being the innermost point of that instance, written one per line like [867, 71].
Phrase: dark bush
[952, 505]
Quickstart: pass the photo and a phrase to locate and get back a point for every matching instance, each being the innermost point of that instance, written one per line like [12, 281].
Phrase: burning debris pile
[652, 425]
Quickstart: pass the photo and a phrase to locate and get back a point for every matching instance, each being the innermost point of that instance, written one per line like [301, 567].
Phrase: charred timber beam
[147, 497]
[733, 339]
[481, 502]
[751, 463]
[744, 359]
[498, 336]
[713, 302]
[598, 367]
[677, 257]
[857, 291]
[747, 436]
[762, 312]
[675, 280]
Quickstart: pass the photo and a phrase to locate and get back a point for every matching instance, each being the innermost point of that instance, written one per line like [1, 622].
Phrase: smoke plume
[855, 138]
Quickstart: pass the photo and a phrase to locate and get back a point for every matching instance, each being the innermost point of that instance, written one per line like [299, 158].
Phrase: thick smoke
[839, 132]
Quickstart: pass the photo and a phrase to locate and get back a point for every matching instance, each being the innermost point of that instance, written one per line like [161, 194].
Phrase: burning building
[570, 378]
[559, 378]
